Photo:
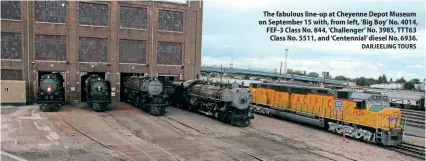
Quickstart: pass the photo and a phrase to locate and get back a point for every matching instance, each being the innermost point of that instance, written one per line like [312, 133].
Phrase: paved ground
[126, 133]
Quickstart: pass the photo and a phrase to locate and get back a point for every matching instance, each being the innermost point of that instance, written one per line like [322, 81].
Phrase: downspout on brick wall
[152, 38]
[28, 53]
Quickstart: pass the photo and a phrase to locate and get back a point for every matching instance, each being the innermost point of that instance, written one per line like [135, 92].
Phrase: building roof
[172, 1]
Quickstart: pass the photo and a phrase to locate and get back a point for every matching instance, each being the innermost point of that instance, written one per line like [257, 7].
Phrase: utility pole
[232, 62]
[285, 64]
[324, 75]
[221, 71]
[424, 86]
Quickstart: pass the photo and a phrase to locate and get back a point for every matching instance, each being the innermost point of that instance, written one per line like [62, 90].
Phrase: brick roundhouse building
[110, 38]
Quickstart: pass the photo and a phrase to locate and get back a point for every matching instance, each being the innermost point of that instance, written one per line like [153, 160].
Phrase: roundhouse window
[132, 51]
[169, 53]
[93, 14]
[92, 49]
[133, 17]
[51, 11]
[11, 47]
[11, 74]
[50, 47]
[11, 10]
[170, 20]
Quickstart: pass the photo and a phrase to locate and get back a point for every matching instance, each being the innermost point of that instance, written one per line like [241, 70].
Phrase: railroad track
[97, 141]
[165, 121]
[414, 118]
[410, 150]
[422, 113]
[258, 132]
[139, 136]
[226, 153]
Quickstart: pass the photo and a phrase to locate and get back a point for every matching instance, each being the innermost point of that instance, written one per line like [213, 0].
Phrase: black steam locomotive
[50, 93]
[229, 103]
[146, 93]
[97, 93]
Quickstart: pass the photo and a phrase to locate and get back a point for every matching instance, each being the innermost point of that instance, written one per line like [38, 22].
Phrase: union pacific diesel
[358, 114]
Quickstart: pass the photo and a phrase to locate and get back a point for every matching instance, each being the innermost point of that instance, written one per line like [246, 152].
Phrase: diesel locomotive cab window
[93, 14]
[11, 10]
[50, 11]
[360, 105]
[169, 53]
[170, 20]
[322, 91]
[253, 85]
[11, 45]
[11, 74]
[132, 17]
[92, 49]
[343, 95]
[377, 103]
[50, 47]
[133, 51]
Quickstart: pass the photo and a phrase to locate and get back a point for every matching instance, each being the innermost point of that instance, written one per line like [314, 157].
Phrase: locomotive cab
[376, 111]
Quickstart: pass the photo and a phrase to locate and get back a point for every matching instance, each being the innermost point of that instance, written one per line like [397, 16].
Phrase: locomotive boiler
[229, 104]
[97, 93]
[146, 93]
[50, 93]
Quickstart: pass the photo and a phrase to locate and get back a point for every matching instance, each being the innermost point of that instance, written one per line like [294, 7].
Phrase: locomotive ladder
[378, 135]
[321, 115]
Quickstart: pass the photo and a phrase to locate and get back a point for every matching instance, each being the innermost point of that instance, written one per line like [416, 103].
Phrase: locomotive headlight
[49, 89]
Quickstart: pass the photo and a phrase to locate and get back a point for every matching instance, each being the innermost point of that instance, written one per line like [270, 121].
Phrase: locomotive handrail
[205, 97]
[132, 88]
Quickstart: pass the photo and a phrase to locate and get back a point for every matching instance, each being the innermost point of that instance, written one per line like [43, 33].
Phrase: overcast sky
[231, 32]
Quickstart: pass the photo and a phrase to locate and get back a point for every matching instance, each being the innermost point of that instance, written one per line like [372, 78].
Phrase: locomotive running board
[301, 113]
[308, 119]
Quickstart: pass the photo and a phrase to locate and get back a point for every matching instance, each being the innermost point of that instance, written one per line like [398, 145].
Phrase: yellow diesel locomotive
[358, 114]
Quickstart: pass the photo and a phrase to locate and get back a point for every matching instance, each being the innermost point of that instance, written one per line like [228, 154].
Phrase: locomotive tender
[231, 105]
[359, 114]
[51, 93]
[146, 93]
[98, 93]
